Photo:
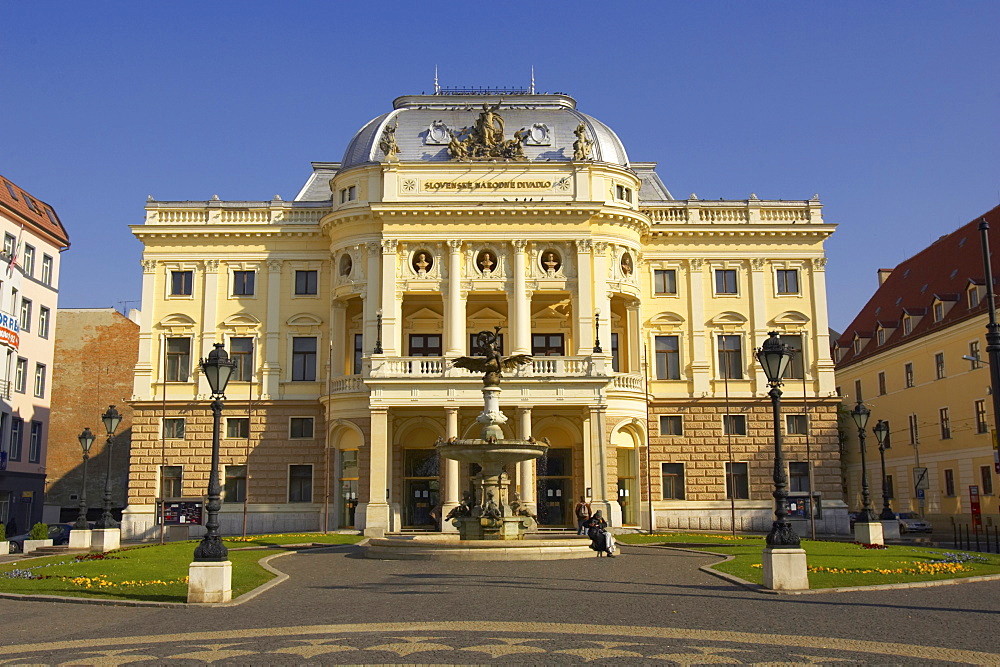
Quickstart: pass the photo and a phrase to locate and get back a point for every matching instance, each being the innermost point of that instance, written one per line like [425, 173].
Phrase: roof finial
[531, 90]
[437, 88]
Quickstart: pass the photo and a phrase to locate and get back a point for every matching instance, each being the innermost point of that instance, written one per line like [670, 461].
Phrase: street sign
[920, 494]
[920, 480]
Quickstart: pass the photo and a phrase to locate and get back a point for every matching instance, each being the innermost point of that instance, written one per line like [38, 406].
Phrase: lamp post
[881, 431]
[111, 419]
[378, 332]
[774, 356]
[218, 368]
[860, 414]
[86, 440]
[992, 328]
[597, 331]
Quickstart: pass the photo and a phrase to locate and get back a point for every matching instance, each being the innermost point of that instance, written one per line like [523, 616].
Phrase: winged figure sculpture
[493, 365]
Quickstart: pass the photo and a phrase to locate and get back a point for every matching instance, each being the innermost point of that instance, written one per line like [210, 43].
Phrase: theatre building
[451, 214]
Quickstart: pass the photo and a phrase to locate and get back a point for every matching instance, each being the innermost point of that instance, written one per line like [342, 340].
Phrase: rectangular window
[170, 480]
[938, 312]
[788, 281]
[731, 357]
[173, 428]
[973, 295]
[907, 326]
[16, 438]
[889, 486]
[725, 281]
[668, 358]
[881, 383]
[737, 480]
[973, 358]
[425, 345]
[949, 482]
[40, 380]
[547, 345]
[939, 365]
[673, 481]
[21, 375]
[25, 314]
[795, 370]
[858, 395]
[304, 359]
[914, 433]
[28, 261]
[796, 425]
[359, 353]
[665, 281]
[908, 375]
[300, 483]
[734, 424]
[12, 191]
[237, 427]
[178, 359]
[8, 244]
[306, 282]
[671, 425]
[945, 423]
[241, 351]
[46, 270]
[881, 336]
[235, 486]
[181, 283]
[615, 362]
[35, 443]
[300, 427]
[43, 321]
[981, 425]
[986, 477]
[798, 477]
[243, 283]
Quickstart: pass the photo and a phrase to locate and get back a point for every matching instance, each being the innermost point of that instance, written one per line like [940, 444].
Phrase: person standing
[583, 514]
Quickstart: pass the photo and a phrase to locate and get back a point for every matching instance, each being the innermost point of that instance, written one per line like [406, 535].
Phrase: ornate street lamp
[218, 368]
[86, 440]
[111, 419]
[774, 356]
[860, 414]
[378, 332]
[597, 332]
[881, 431]
[992, 328]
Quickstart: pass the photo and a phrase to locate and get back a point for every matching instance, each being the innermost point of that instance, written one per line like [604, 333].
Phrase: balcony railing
[440, 367]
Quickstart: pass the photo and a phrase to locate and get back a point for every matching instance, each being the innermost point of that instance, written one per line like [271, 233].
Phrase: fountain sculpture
[493, 514]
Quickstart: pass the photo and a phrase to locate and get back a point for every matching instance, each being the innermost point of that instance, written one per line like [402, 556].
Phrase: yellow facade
[386, 265]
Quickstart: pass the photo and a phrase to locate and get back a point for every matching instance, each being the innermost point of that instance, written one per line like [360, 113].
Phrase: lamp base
[785, 569]
[210, 581]
[868, 533]
[106, 539]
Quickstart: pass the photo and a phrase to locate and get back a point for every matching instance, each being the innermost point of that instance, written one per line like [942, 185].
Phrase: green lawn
[148, 572]
[836, 564]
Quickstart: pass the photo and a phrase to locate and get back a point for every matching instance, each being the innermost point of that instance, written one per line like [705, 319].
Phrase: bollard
[975, 529]
[954, 534]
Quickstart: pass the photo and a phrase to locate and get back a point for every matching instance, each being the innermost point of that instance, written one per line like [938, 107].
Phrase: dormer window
[938, 311]
[907, 325]
[857, 345]
[881, 336]
[973, 296]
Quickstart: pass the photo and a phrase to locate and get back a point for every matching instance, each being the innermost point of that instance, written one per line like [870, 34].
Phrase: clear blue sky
[889, 110]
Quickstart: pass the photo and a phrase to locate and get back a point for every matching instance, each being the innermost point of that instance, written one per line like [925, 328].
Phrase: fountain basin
[501, 452]
[446, 548]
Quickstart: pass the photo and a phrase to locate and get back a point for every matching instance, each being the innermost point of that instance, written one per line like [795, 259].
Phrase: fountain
[492, 523]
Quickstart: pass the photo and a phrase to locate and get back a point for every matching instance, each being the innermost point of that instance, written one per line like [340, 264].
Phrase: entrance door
[628, 496]
[421, 489]
[554, 488]
[348, 479]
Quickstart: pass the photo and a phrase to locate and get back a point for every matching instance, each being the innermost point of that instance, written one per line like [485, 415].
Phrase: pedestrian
[601, 540]
[583, 514]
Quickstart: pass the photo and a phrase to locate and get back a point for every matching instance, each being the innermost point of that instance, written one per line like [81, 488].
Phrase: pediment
[176, 320]
[790, 318]
[241, 320]
[304, 320]
[728, 318]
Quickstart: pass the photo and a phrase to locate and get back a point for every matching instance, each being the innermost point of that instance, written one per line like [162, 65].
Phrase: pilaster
[272, 341]
[454, 307]
[377, 508]
[392, 331]
[584, 310]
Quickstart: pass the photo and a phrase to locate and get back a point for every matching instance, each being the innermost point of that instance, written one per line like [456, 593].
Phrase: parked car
[911, 523]
[58, 533]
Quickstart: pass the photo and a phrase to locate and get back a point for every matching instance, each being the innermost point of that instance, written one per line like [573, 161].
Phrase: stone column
[142, 385]
[632, 338]
[826, 383]
[526, 469]
[338, 338]
[521, 320]
[455, 345]
[602, 297]
[451, 473]
[371, 296]
[391, 308]
[209, 310]
[272, 339]
[377, 508]
[585, 298]
[599, 450]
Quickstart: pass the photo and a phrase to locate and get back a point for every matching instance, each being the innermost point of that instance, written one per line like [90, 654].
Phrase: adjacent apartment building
[465, 211]
[33, 237]
[916, 356]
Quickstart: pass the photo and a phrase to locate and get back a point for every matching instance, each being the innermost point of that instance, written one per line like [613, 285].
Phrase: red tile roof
[942, 270]
[33, 212]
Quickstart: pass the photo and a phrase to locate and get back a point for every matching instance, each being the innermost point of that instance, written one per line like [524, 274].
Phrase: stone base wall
[750, 520]
[140, 522]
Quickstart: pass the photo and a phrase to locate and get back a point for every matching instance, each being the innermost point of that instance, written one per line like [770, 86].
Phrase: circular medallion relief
[346, 264]
[551, 262]
[422, 262]
[486, 262]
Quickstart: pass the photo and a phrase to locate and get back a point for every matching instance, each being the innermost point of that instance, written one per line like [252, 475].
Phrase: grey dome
[422, 123]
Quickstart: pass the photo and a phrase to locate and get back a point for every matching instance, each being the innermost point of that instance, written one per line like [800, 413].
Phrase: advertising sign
[9, 331]
[182, 512]
[977, 513]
